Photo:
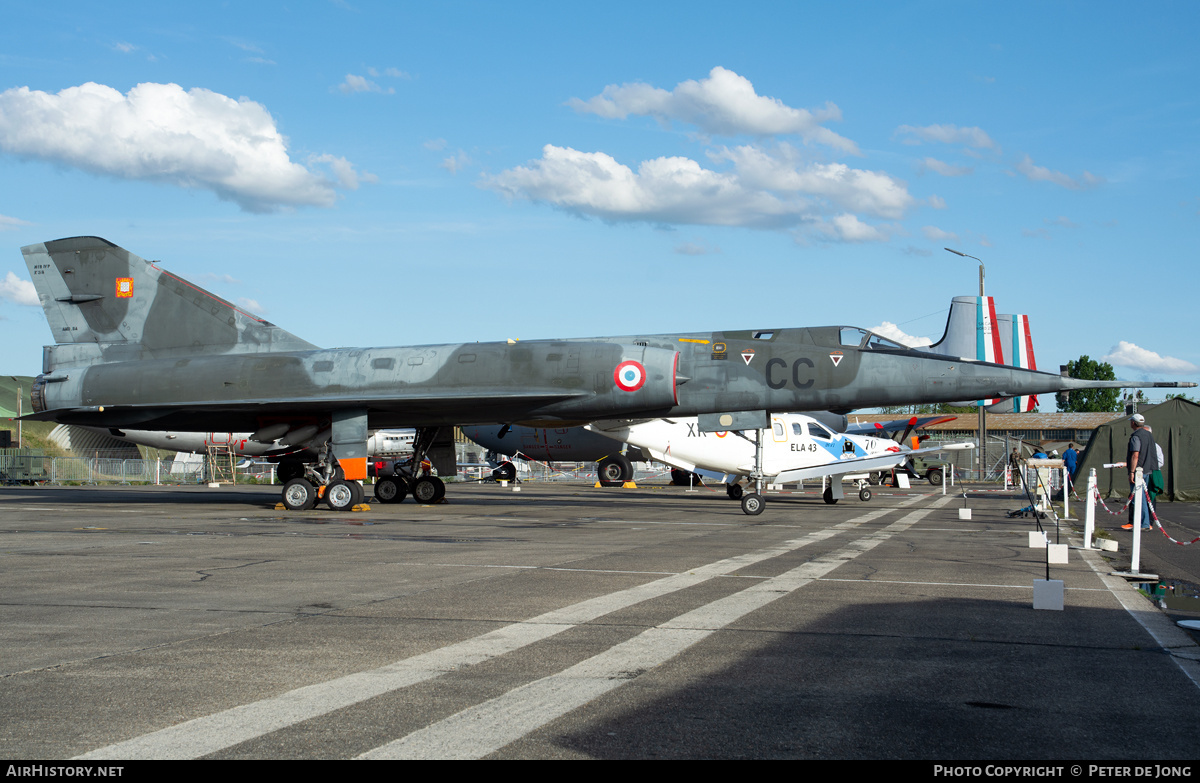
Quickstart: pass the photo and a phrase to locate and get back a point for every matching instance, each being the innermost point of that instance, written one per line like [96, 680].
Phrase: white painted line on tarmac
[208, 734]
[486, 728]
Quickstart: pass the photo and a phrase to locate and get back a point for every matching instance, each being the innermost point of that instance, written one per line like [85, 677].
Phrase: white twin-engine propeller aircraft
[794, 447]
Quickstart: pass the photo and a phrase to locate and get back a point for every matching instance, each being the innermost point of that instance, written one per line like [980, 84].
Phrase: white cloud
[343, 171]
[947, 134]
[354, 83]
[695, 249]
[945, 169]
[892, 332]
[937, 202]
[725, 104]
[937, 235]
[435, 144]
[1061, 221]
[18, 291]
[250, 305]
[159, 132]
[764, 190]
[11, 223]
[1129, 355]
[456, 162]
[1042, 174]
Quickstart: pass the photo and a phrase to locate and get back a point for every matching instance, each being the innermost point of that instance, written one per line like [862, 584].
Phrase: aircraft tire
[505, 472]
[299, 494]
[753, 504]
[679, 477]
[425, 490]
[828, 496]
[934, 476]
[864, 494]
[390, 490]
[339, 495]
[440, 488]
[614, 471]
[734, 491]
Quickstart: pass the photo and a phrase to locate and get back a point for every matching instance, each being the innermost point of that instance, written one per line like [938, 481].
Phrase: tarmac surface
[563, 621]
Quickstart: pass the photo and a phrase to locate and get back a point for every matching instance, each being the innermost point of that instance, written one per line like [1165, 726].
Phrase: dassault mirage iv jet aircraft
[138, 347]
[794, 448]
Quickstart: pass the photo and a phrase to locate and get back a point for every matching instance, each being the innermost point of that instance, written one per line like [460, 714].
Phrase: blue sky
[391, 174]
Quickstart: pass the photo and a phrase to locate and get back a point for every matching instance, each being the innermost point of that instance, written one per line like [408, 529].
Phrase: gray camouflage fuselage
[138, 347]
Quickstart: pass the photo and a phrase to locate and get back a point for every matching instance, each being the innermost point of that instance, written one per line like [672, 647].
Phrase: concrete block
[964, 513]
[1048, 594]
[1037, 539]
[1056, 554]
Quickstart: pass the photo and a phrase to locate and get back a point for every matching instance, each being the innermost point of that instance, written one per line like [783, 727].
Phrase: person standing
[1154, 484]
[1141, 454]
[1071, 462]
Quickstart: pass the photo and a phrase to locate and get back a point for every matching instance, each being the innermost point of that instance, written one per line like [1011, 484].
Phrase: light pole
[982, 408]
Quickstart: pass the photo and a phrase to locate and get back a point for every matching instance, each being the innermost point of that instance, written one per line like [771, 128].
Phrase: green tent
[1176, 427]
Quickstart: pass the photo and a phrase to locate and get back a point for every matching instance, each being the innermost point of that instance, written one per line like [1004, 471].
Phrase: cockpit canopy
[869, 341]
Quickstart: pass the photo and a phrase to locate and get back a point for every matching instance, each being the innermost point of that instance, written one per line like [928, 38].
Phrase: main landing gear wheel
[828, 496]
[753, 504]
[299, 495]
[505, 472]
[614, 471]
[734, 491]
[340, 495]
[428, 489]
[864, 494]
[390, 490]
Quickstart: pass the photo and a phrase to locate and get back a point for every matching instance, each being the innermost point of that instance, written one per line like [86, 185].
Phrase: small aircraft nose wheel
[828, 496]
[864, 494]
[753, 504]
[734, 491]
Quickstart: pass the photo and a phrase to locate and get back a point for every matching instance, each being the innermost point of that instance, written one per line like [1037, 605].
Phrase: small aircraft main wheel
[360, 494]
[425, 489]
[339, 495]
[864, 494]
[828, 496]
[753, 504]
[390, 490]
[935, 477]
[679, 477]
[505, 472]
[440, 487]
[734, 491]
[299, 494]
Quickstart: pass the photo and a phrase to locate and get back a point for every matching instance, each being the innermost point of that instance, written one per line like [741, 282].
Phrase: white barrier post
[943, 479]
[1089, 516]
[1066, 492]
[1138, 511]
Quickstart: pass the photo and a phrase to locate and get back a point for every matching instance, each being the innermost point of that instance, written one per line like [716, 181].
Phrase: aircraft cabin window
[817, 431]
[797, 428]
[778, 429]
[763, 335]
[852, 336]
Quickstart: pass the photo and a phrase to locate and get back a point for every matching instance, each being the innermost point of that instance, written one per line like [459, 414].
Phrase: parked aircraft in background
[615, 459]
[140, 348]
[795, 447]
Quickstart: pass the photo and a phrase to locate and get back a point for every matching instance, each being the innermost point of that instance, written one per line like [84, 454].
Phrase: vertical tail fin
[1017, 343]
[106, 304]
[972, 333]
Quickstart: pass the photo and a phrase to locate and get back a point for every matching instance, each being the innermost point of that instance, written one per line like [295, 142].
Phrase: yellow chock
[629, 485]
[361, 507]
[597, 485]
